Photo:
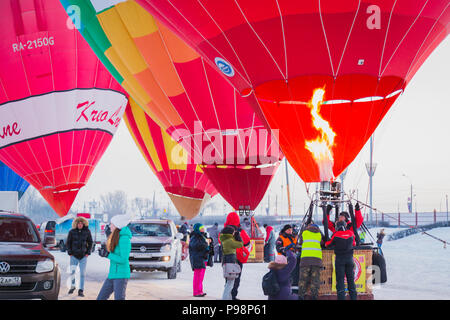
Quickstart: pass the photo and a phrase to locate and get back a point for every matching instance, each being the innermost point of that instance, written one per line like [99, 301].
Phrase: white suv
[155, 246]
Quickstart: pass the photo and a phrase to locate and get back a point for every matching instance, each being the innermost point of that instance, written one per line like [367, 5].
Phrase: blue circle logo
[224, 66]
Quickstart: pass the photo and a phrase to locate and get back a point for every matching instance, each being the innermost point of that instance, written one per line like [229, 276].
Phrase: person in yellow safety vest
[311, 241]
[286, 240]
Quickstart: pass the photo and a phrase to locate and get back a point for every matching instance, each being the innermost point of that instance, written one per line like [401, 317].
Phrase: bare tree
[142, 206]
[114, 203]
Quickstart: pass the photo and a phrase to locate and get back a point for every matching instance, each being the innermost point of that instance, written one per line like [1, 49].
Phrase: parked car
[47, 231]
[155, 246]
[64, 225]
[27, 269]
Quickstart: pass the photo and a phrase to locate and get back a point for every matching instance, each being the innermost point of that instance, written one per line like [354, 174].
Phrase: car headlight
[166, 248]
[45, 266]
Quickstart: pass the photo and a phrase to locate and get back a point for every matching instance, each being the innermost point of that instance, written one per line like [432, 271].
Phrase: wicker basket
[259, 251]
[326, 275]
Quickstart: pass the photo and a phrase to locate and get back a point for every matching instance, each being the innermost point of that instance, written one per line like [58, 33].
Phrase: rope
[409, 226]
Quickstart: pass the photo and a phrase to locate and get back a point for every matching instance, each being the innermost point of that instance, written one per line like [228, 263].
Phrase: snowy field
[418, 267]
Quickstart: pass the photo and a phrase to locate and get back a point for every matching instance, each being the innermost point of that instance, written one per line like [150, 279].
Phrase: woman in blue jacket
[118, 248]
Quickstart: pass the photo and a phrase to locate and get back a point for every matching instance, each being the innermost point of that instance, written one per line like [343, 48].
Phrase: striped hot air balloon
[187, 97]
[185, 183]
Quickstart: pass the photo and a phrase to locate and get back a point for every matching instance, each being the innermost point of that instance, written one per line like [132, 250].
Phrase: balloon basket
[362, 257]
[257, 253]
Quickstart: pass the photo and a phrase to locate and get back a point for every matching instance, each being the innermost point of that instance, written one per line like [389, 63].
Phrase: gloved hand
[357, 208]
[102, 252]
[329, 208]
[289, 247]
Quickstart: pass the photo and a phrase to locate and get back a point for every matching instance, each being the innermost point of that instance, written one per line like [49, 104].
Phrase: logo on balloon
[224, 66]
[9, 130]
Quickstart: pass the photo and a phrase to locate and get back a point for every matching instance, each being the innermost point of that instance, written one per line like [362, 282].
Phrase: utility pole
[446, 200]
[371, 171]
[287, 187]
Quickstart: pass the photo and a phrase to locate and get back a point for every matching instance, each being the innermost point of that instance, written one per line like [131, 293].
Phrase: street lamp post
[371, 166]
[411, 192]
[446, 200]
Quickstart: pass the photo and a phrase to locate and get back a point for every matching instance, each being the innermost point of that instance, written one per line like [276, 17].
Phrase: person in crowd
[229, 247]
[214, 234]
[243, 253]
[310, 261]
[380, 237]
[79, 247]
[247, 226]
[283, 265]
[343, 242]
[344, 216]
[198, 255]
[362, 236]
[285, 239]
[184, 229]
[269, 244]
[118, 248]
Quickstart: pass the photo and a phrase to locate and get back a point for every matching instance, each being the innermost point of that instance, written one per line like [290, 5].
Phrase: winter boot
[71, 290]
[80, 293]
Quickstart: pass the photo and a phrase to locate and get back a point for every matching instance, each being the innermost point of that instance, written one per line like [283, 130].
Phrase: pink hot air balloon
[59, 107]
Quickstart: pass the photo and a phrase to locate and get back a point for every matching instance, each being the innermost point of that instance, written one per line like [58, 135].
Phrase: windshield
[17, 230]
[150, 230]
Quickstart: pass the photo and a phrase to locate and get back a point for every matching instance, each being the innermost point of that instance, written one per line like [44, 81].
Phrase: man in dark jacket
[79, 247]
[310, 261]
[343, 241]
[286, 239]
[344, 216]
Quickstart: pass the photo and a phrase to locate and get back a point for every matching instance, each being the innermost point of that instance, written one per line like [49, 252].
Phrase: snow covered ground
[418, 267]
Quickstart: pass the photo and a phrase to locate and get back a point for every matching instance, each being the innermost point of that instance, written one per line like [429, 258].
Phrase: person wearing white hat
[118, 248]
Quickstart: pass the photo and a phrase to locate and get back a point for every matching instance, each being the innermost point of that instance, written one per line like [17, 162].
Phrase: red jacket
[358, 217]
[343, 242]
[243, 253]
[268, 231]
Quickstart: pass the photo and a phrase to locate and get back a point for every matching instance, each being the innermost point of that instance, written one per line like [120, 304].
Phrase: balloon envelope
[186, 184]
[59, 106]
[11, 181]
[186, 96]
[361, 53]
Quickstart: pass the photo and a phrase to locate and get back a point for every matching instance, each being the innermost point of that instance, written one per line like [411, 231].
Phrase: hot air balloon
[186, 96]
[185, 183]
[325, 72]
[59, 106]
[11, 181]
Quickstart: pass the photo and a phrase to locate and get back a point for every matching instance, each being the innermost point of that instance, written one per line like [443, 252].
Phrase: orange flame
[320, 148]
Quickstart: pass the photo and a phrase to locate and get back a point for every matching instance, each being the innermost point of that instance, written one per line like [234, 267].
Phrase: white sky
[413, 139]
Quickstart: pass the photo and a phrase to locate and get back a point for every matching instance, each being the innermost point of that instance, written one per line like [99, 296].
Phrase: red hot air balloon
[59, 107]
[325, 72]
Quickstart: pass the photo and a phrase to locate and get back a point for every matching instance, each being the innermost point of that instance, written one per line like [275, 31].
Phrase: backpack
[270, 284]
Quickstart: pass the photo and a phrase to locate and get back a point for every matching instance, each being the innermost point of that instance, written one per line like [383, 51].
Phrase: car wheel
[172, 273]
[62, 246]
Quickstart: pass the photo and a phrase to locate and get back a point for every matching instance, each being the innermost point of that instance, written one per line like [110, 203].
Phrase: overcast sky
[413, 139]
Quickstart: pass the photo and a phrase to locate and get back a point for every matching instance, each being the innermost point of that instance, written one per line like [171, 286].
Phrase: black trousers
[344, 267]
[237, 281]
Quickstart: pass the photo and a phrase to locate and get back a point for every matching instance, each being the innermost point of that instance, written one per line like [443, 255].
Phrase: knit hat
[288, 226]
[280, 259]
[121, 220]
[198, 226]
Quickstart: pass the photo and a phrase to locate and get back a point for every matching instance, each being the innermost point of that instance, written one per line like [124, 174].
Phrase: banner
[253, 250]
[359, 271]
